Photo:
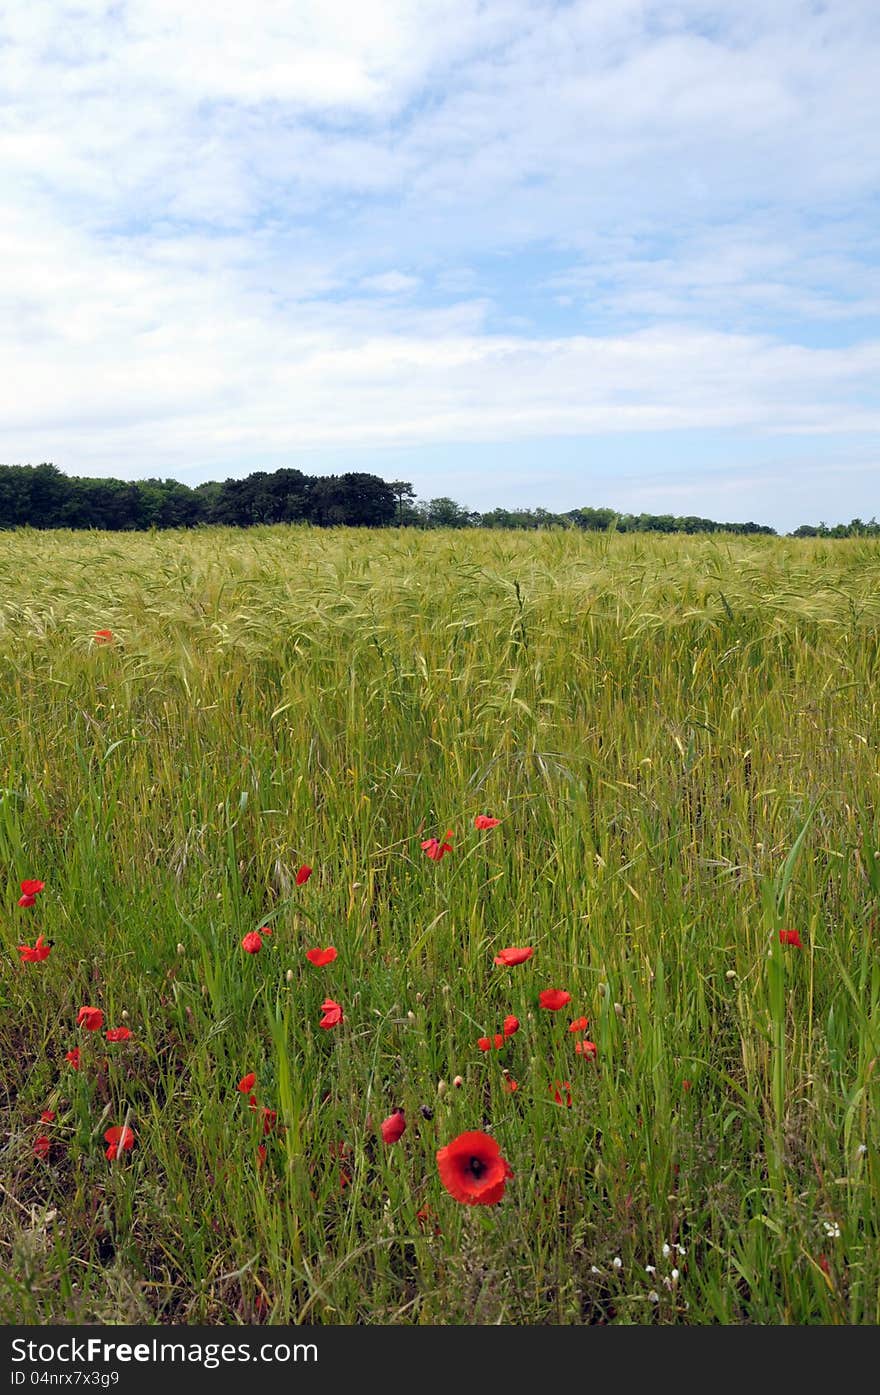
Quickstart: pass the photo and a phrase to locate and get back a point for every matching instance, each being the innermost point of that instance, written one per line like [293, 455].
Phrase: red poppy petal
[553, 998]
[514, 955]
[394, 1127]
[91, 1018]
[320, 957]
[472, 1170]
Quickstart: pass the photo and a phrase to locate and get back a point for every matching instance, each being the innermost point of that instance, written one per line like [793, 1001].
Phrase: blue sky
[606, 252]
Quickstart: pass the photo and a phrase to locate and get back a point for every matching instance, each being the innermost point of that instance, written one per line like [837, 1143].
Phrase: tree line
[40, 496]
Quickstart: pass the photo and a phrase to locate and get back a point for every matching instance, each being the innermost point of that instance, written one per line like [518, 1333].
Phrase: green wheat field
[679, 738]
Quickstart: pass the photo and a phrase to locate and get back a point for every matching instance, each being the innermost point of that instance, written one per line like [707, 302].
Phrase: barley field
[678, 738]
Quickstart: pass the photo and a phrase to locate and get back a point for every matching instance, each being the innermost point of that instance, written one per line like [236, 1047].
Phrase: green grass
[680, 736]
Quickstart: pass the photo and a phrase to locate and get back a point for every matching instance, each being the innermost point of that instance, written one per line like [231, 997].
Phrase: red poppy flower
[790, 937]
[30, 890]
[91, 1018]
[509, 957]
[580, 1024]
[686, 1086]
[394, 1127]
[103, 636]
[303, 875]
[473, 1170]
[435, 849]
[486, 1043]
[253, 1104]
[586, 1048]
[118, 1140]
[562, 1085]
[42, 1146]
[332, 1014]
[47, 1116]
[320, 957]
[261, 1155]
[41, 950]
[118, 1034]
[252, 942]
[483, 821]
[247, 1082]
[553, 998]
[73, 1057]
[511, 1025]
[509, 1084]
[270, 1118]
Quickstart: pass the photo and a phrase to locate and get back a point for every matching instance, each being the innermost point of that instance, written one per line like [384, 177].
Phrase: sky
[618, 253]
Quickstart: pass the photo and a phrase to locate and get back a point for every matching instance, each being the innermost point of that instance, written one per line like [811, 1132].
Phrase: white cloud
[232, 231]
[390, 282]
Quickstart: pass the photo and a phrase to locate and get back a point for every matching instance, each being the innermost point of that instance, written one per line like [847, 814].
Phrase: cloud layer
[233, 235]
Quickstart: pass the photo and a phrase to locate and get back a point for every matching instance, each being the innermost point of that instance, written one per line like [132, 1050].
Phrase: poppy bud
[394, 1127]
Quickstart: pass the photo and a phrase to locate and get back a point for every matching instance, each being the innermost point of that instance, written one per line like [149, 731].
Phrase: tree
[401, 490]
[353, 500]
[445, 513]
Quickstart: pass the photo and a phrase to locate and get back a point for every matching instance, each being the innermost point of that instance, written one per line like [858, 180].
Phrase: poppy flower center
[476, 1167]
